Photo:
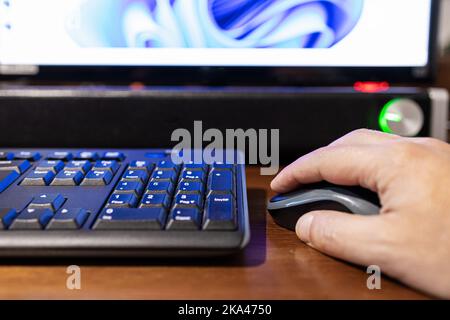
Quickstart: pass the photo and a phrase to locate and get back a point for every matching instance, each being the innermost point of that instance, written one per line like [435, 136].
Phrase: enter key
[220, 212]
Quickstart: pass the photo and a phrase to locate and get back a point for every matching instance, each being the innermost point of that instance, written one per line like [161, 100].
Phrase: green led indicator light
[387, 115]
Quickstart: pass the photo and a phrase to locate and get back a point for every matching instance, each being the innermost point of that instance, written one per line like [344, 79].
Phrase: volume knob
[402, 116]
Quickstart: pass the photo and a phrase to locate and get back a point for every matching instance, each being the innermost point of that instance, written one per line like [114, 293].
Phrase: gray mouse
[286, 209]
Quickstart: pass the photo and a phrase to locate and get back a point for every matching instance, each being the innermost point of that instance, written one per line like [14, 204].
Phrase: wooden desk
[275, 266]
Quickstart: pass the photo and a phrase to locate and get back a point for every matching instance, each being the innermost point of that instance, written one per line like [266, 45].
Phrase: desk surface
[275, 266]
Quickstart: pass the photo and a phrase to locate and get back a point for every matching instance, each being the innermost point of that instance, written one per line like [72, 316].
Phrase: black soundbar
[123, 118]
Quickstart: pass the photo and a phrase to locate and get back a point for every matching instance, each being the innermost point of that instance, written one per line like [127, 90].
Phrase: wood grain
[276, 265]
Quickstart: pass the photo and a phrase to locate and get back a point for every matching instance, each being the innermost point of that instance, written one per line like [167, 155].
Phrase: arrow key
[52, 201]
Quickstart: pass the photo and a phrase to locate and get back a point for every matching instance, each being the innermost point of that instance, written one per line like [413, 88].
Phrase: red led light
[371, 87]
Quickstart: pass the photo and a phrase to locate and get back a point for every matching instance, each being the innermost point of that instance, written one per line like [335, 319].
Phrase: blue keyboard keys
[197, 175]
[51, 201]
[122, 201]
[32, 219]
[19, 166]
[184, 219]
[167, 165]
[190, 187]
[79, 165]
[109, 165]
[157, 186]
[113, 155]
[169, 175]
[38, 178]
[220, 212]
[5, 155]
[155, 200]
[60, 155]
[68, 178]
[7, 216]
[222, 166]
[195, 166]
[97, 178]
[135, 175]
[27, 155]
[141, 165]
[50, 165]
[7, 178]
[87, 155]
[133, 187]
[68, 219]
[151, 194]
[221, 181]
[131, 219]
[189, 200]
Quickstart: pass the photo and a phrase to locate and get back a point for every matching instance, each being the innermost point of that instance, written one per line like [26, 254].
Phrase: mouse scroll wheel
[278, 198]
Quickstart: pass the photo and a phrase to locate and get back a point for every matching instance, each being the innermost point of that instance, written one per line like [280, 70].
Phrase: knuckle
[431, 142]
[404, 151]
[361, 132]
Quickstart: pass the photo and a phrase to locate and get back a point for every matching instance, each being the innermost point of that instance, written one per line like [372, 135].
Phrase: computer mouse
[287, 208]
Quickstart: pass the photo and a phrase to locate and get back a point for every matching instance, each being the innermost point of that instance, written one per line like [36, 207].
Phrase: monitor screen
[216, 33]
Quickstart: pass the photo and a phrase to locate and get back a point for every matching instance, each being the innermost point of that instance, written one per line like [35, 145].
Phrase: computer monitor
[219, 41]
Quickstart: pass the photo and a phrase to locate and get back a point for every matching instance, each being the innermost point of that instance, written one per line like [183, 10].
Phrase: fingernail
[303, 227]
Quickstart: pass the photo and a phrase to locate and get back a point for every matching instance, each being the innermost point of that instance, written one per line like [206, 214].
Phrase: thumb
[358, 239]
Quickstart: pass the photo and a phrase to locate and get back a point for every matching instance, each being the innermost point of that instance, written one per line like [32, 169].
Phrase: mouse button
[287, 196]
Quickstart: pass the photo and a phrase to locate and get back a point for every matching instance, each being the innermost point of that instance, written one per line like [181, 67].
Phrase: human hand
[410, 239]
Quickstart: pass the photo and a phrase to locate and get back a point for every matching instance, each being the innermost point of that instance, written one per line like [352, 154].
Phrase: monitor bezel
[247, 76]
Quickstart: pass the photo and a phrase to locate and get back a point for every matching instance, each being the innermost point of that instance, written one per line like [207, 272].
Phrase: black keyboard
[119, 203]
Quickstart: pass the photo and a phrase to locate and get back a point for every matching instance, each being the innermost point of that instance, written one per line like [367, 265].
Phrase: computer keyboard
[119, 203]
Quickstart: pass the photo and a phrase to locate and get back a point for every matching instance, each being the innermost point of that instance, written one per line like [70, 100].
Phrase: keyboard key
[164, 175]
[141, 165]
[38, 178]
[184, 219]
[134, 187]
[113, 155]
[195, 166]
[221, 181]
[68, 219]
[87, 155]
[190, 187]
[191, 200]
[156, 154]
[80, 165]
[135, 175]
[220, 212]
[131, 219]
[4, 155]
[167, 165]
[60, 155]
[222, 166]
[27, 155]
[197, 175]
[50, 165]
[19, 166]
[52, 201]
[7, 178]
[122, 201]
[157, 186]
[6, 217]
[68, 178]
[155, 200]
[110, 165]
[97, 178]
[32, 219]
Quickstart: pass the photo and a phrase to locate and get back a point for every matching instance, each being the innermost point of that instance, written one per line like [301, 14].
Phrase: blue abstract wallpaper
[215, 23]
